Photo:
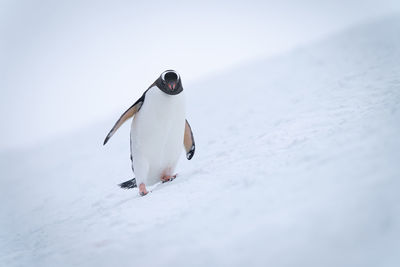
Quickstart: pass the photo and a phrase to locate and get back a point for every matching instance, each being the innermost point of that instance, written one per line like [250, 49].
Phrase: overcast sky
[65, 65]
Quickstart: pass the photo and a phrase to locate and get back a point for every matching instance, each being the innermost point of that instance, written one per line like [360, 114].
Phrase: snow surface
[297, 164]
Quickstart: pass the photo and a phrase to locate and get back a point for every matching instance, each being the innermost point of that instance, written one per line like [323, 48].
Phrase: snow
[296, 164]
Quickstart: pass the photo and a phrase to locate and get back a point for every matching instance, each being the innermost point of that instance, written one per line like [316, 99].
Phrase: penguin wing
[188, 141]
[125, 116]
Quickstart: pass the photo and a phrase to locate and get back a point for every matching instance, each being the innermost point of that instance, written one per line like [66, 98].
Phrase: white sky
[68, 64]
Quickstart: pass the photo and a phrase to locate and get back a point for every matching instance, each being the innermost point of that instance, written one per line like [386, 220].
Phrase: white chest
[157, 132]
[161, 110]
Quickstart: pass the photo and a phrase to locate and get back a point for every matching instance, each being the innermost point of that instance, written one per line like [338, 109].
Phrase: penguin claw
[166, 179]
[142, 190]
[142, 194]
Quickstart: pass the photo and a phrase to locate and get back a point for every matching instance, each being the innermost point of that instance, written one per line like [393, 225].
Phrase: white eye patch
[169, 71]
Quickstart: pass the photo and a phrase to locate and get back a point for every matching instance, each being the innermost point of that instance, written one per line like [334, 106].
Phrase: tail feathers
[128, 184]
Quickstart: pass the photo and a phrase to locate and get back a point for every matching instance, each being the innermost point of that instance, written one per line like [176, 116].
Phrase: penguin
[159, 131]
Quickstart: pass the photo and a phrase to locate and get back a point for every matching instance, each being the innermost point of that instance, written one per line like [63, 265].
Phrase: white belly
[157, 136]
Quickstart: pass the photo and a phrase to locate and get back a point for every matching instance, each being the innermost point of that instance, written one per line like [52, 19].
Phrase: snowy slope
[296, 165]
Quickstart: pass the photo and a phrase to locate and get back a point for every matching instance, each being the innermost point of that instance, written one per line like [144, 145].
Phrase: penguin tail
[128, 184]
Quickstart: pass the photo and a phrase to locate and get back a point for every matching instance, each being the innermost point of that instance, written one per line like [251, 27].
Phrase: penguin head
[170, 82]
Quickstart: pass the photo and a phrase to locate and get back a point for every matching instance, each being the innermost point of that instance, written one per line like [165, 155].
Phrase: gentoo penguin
[159, 131]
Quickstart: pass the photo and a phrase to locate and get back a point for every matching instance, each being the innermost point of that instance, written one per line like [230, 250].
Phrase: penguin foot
[142, 190]
[168, 178]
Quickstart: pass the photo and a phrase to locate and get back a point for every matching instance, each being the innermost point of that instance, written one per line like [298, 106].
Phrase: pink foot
[168, 178]
[142, 189]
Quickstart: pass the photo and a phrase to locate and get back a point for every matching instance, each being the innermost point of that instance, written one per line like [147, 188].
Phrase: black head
[170, 82]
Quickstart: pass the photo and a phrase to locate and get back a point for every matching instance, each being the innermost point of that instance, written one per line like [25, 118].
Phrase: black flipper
[188, 141]
[128, 184]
